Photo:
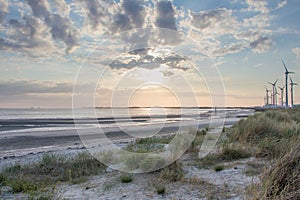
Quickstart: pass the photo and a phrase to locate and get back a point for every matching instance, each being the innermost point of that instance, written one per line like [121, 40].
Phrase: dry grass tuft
[283, 180]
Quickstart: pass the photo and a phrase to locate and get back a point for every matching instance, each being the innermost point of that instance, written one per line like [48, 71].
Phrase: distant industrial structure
[273, 95]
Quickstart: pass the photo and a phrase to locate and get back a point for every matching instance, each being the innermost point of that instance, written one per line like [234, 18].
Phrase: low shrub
[126, 178]
[218, 168]
[160, 188]
[172, 173]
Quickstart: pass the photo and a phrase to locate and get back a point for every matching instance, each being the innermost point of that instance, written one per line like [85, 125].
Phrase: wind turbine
[292, 91]
[267, 95]
[273, 93]
[287, 72]
[281, 94]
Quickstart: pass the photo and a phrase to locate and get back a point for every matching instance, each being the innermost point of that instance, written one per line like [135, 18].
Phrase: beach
[61, 136]
[242, 163]
[28, 146]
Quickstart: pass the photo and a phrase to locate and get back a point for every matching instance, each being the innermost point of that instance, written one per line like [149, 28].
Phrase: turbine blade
[286, 70]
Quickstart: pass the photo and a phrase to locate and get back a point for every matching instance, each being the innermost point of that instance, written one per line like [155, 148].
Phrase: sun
[154, 95]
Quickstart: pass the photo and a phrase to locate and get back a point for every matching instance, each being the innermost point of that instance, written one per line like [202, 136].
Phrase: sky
[64, 53]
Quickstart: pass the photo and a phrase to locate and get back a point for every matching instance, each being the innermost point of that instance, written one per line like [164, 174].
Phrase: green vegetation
[283, 180]
[226, 154]
[143, 162]
[155, 140]
[160, 188]
[254, 168]
[271, 132]
[273, 135]
[126, 178]
[51, 169]
[149, 144]
[197, 142]
[219, 168]
[172, 173]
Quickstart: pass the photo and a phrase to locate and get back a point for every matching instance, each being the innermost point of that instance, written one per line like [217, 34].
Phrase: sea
[39, 119]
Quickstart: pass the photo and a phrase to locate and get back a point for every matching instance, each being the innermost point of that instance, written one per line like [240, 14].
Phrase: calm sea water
[16, 120]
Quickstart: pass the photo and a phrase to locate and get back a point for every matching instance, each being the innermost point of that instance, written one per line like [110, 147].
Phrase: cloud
[235, 48]
[111, 17]
[40, 8]
[261, 45]
[296, 51]
[97, 12]
[62, 7]
[260, 6]
[167, 73]
[19, 87]
[165, 15]
[222, 33]
[258, 42]
[29, 36]
[143, 58]
[281, 4]
[44, 27]
[134, 9]
[60, 27]
[3, 9]
[219, 21]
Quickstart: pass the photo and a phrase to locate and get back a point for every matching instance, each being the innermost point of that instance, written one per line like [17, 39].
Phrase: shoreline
[21, 146]
[31, 148]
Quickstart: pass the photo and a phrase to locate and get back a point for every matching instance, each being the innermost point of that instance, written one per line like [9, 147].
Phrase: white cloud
[261, 45]
[3, 9]
[61, 28]
[50, 27]
[62, 7]
[218, 22]
[234, 48]
[296, 51]
[260, 6]
[281, 4]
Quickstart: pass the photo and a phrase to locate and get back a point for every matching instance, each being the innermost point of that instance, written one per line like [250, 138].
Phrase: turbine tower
[287, 72]
[275, 96]
[292, 83]
[281, 94]
[273, 92]
[267, 95]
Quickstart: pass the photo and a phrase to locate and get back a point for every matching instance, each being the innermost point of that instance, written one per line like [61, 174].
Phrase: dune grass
[172, 173]
[50, 170]
[271, 133]
[274, 135]
[283, 180]
[149, 144]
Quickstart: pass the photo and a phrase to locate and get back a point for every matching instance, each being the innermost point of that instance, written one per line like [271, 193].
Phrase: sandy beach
[24, 147]
[236, 168]
[17, 146]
